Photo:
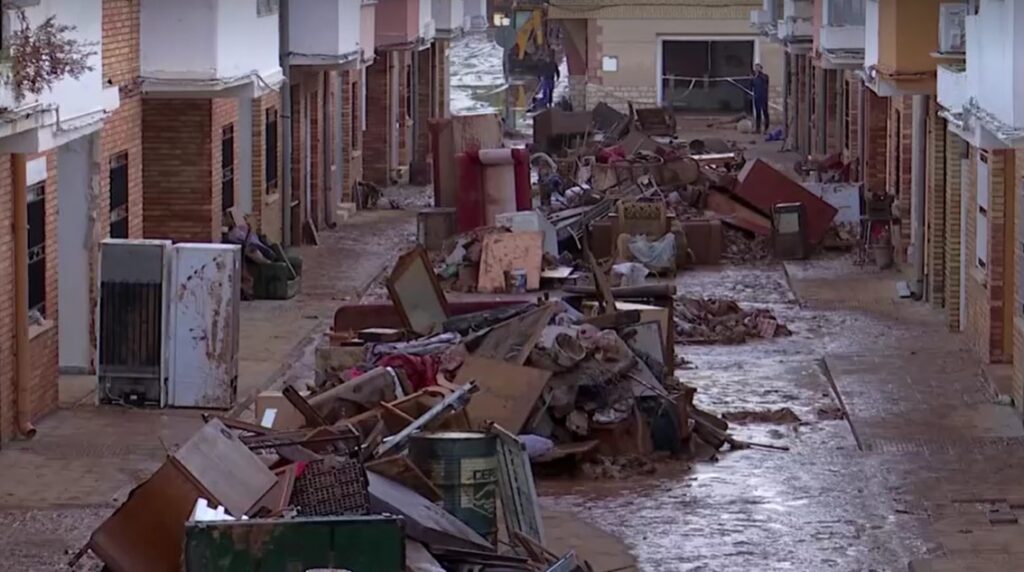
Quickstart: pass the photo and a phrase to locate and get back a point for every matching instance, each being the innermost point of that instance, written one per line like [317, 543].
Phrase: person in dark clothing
[548, 74]
[759, 85]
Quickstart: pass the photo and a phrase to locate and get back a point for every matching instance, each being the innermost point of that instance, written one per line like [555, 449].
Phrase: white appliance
[131, 322]
[204, 325]
[168, 323]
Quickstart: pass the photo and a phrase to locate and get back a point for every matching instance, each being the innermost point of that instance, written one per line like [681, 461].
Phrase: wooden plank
[507, 393]
[513, 339]
[312, 417]
[400, 469]
[510, 251]
[222, 465]
[604, 289]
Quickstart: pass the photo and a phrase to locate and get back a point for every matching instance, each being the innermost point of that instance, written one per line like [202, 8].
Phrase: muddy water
[820, 506]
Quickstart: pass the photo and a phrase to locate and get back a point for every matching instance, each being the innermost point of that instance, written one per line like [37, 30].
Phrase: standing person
[759, 84]
[549, 74]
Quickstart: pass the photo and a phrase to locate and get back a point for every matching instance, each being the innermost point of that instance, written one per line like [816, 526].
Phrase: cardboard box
[285, 417]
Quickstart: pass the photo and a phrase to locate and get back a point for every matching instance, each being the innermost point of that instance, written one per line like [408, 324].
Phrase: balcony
[843, 26]
[995, 46]
[71, 107]
[407, 23]
[795, 30]
[210, 48]
[797, 21]
[448, 17]
[899, 40]
[324, 32]
[953, 87]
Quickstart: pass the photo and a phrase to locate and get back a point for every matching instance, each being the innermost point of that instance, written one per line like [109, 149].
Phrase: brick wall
[297, 160]
[802, 103]
[352, 154]
[378, 129]
[832, 98]
[224, 112]
[935, 221]
[854, 93]
[43, 354]
[1018, 289]
[428, 89]
[875, 125]
[176, 173]
[954, 149]
[266, 201]
[899, 161]
[442, 71]
[314, 107]
[989, 290]
[405, 88]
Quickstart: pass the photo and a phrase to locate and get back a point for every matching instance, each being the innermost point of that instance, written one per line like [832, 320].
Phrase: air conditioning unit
[168, 323]
[132, 321]
[953, 28]
[760, 18]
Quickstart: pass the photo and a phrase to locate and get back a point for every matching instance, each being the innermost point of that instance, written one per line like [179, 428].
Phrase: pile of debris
[721, 321]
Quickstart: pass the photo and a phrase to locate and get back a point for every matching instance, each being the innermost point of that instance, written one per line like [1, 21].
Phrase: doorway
[74, 252]
[705, 75]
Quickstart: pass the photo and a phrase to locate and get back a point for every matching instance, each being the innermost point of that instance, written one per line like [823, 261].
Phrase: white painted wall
[74, 171]
[324, 27]
[427, 25]
[997, 61]
[207, 40]
[871, 33]
[448, 14]
[76, 97]
[179, 39]
[246, 43]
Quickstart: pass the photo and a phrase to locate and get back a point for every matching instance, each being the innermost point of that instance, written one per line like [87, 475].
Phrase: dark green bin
[356, 543]
[464, 467]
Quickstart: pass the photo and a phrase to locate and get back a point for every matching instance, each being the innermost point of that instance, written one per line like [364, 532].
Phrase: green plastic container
[356, 543]
[464, 467]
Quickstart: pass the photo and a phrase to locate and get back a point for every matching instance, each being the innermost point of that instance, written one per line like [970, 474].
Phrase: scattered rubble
[783, 416]
[721, 321]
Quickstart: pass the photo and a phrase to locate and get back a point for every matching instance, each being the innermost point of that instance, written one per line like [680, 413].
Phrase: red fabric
[421, 371]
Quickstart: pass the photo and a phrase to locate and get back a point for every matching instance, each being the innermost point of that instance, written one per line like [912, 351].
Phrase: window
[266, 7]
[227, 168]
[354, 102]
[119, 196]
[36, 197]
[981, 226]
[270, 150]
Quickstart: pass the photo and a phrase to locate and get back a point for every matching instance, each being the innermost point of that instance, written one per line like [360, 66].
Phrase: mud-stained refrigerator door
[204, 312]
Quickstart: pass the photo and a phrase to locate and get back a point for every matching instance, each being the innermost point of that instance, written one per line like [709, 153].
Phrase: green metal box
[356, 543]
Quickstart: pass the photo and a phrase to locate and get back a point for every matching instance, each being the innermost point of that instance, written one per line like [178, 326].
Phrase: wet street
[914, 473]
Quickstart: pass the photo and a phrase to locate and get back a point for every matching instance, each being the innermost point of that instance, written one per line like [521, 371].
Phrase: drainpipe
[917, 180]
[286, 136]
[21, 357]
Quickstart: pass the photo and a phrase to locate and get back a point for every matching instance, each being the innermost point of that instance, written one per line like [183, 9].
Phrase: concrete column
[919, 154]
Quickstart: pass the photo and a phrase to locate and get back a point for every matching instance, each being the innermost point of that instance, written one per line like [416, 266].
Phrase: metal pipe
[919, 152]
[286, 136]
[21, 357]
